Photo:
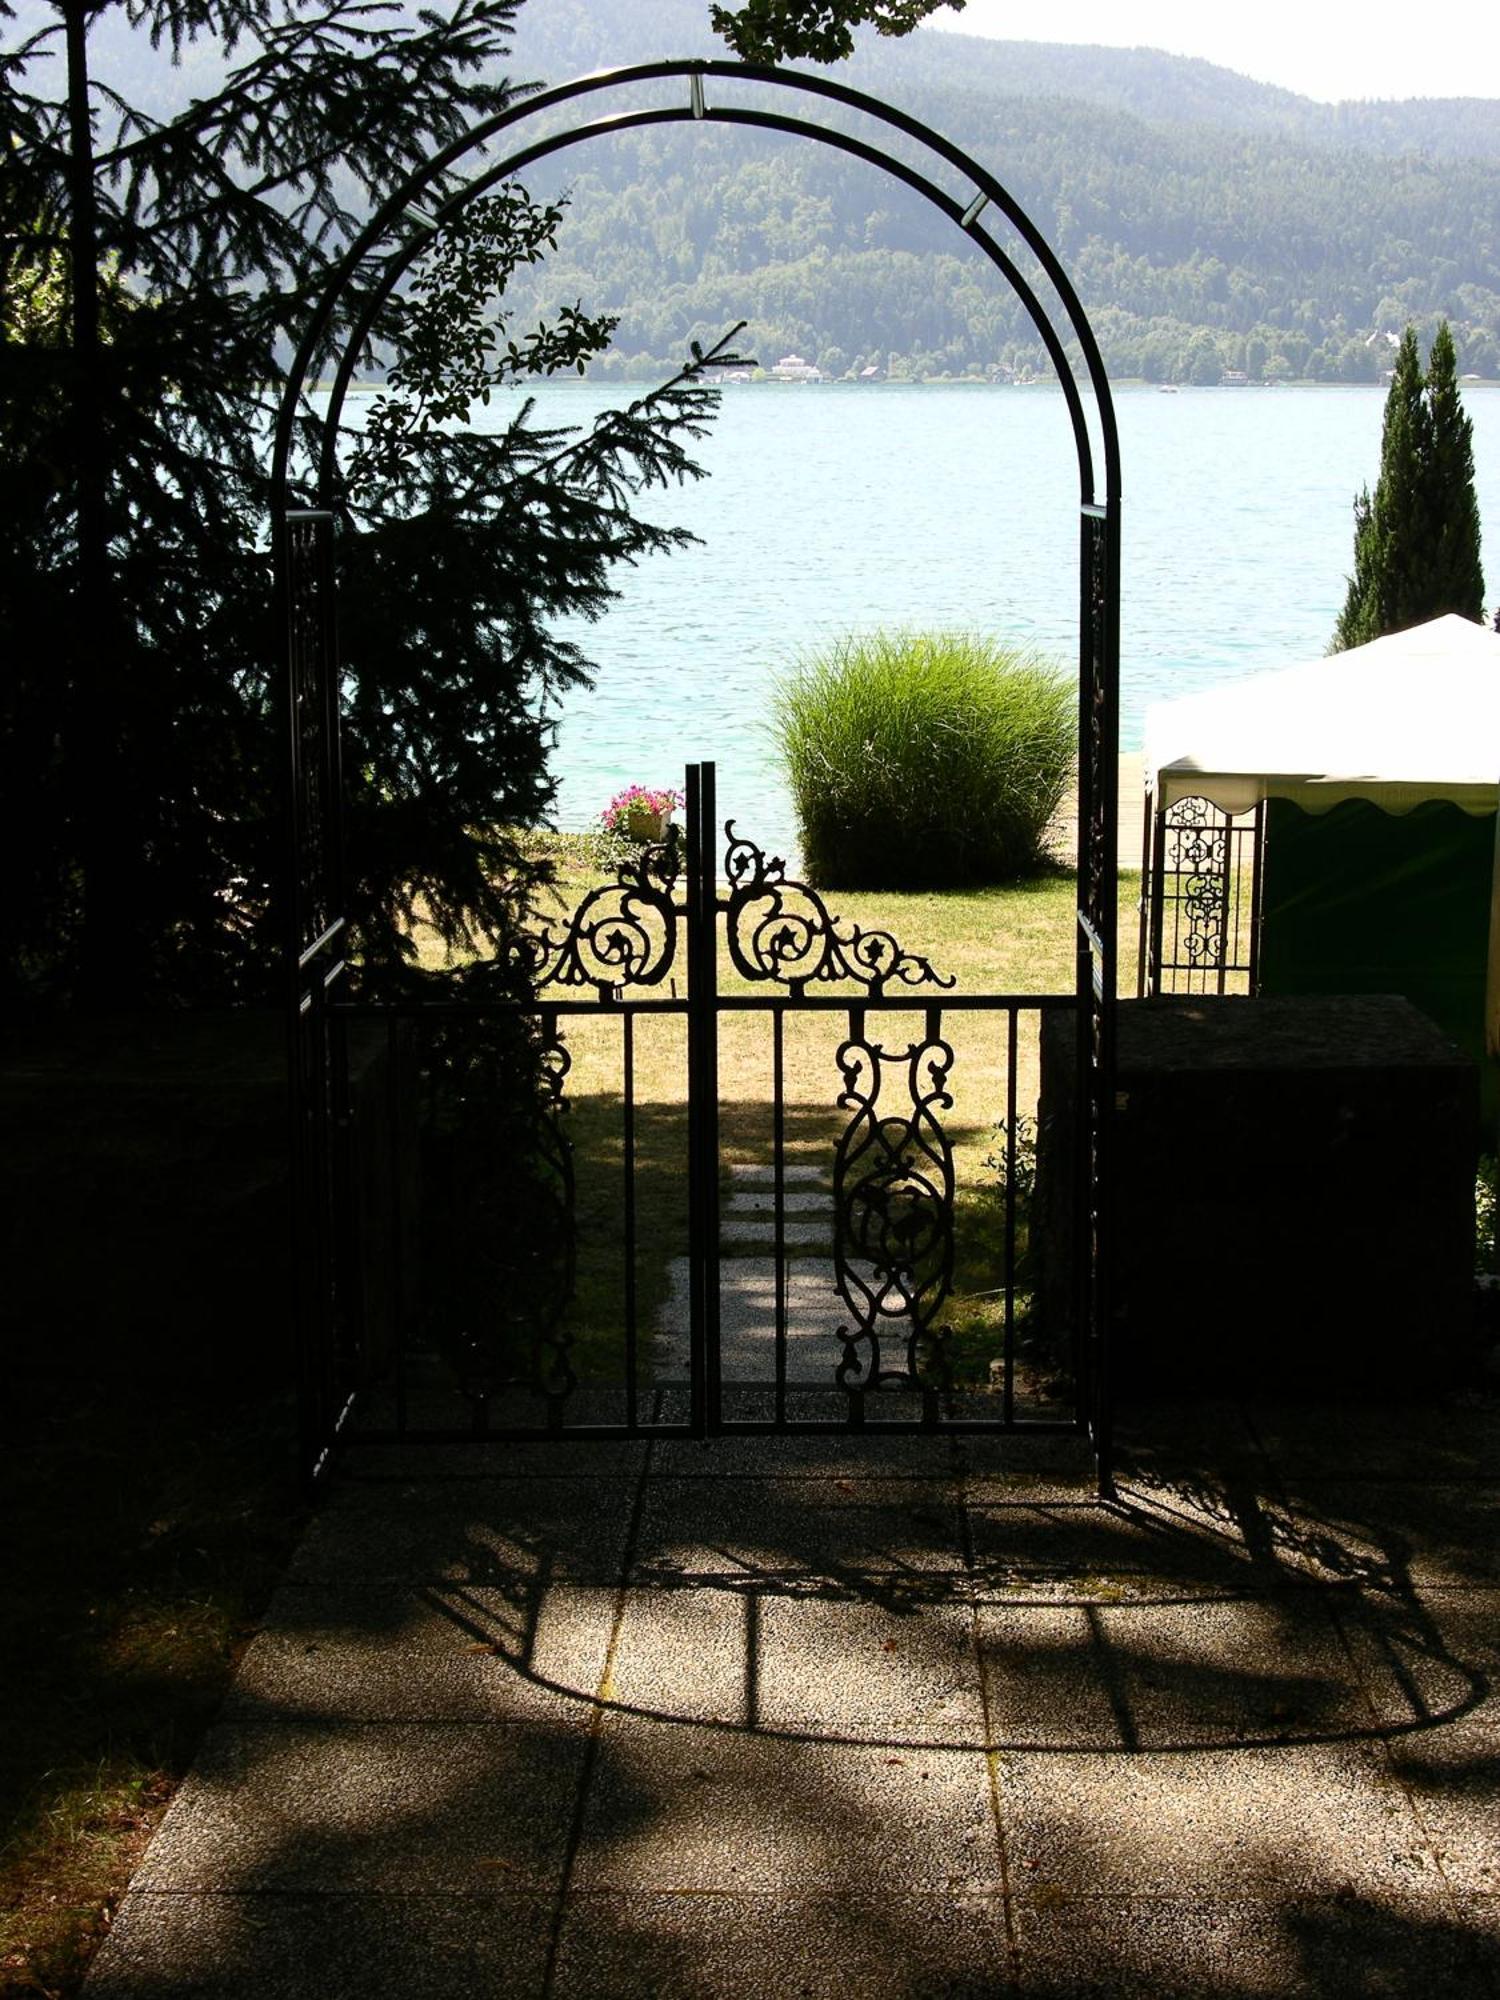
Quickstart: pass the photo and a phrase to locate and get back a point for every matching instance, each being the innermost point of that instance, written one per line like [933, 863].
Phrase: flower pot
[643, 824]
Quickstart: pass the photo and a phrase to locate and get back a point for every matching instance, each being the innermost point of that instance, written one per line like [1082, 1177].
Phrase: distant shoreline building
[792, 368]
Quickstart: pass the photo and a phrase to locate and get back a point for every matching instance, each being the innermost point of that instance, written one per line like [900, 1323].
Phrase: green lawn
[145, 1528]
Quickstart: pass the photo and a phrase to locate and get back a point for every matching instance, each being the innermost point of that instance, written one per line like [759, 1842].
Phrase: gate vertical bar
[1257, 892]
[704, 1084]
[632, 1357]
[693, 919]
[1227, 904]
[1012, 1057]
[703, 1099]
[1157, 915]
[316, 944]
[778, 1197]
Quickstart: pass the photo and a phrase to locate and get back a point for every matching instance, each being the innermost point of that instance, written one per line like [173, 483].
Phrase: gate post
[317, 967]
[1098, 904]
[703, 1097]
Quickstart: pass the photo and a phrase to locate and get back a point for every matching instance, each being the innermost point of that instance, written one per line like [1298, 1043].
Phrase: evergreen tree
[1389, 526]
[139, 757]
[772, 31]
[1457, 581]
[1416, 540]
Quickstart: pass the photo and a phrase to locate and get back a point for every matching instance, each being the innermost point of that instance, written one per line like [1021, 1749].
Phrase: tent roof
[1410, 717]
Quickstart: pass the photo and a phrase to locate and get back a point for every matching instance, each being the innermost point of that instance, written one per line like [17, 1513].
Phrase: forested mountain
[1210, 223]
[563, 38]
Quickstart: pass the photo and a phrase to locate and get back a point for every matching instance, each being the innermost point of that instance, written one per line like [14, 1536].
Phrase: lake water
[839, 508]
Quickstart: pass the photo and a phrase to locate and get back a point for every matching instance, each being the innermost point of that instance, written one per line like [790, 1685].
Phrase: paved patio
[863, 1718]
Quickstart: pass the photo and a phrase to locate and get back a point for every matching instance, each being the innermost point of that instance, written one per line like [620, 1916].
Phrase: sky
[1322, 50]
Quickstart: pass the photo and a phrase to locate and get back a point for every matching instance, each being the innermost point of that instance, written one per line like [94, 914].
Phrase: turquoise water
[835, 508]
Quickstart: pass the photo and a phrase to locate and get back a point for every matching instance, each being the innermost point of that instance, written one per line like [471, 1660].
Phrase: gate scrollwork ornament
[623, 933]
[893, 1216]
[782, 930]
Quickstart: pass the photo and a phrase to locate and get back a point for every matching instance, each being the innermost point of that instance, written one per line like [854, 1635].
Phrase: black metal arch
[306, 590]
[988, 190]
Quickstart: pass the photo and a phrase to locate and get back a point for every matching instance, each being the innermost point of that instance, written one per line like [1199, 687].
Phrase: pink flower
[637, 798]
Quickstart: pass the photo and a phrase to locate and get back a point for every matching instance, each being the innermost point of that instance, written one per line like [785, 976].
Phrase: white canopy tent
[1408, 718]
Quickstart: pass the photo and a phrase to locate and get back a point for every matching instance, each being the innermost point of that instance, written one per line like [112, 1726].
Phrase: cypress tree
[1416, 539]
[1388, 526]
[1456, 580]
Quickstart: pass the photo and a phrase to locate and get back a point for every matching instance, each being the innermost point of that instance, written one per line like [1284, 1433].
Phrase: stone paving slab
[496, 1458]
[441, 1807]
[1330, 1948]
[1062, 1543]
[715, 1947]
[1155, 1674]
[831, 1527]
[171, 1946]
[481, 1530]
[1259, 1670]
[1410, 1441]
[433, 1652]
[852, 1717]
[679, 1808]
[1452, 1776]
[435, 1414]
[1177, 1442]
[1004, 1458]
[802, 1666]
[736, 1230]
[1402, 1532]
[1424, 1658]
[762, 1201]
[1213, 1823]
[833, 1456]
[747, 1312]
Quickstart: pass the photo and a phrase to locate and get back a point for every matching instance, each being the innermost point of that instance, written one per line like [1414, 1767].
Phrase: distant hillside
[561, 38]
[1211, 223]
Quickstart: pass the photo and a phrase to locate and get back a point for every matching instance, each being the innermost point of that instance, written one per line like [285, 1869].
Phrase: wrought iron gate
[838, 1316]
[358, 1073]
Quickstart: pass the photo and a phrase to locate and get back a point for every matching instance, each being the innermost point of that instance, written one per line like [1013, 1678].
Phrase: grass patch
[145, 1531]
[146, 1468]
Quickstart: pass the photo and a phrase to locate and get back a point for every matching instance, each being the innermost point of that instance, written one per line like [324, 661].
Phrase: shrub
[924, 760]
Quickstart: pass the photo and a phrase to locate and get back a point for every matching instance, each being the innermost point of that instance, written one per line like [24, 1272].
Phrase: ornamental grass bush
[922, 760]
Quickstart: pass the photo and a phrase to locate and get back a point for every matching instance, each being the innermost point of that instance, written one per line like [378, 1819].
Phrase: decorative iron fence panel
[1201, 892]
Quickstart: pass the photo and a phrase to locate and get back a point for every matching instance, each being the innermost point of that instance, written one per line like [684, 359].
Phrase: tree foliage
[1416, 538]
[466, 547]
[772, 31]
[141, 770]
[1457, 579]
